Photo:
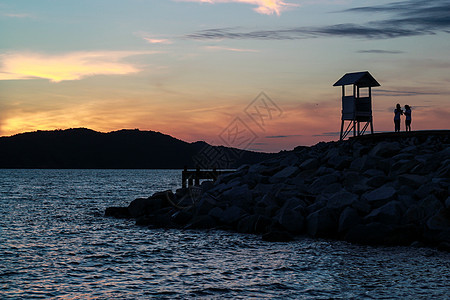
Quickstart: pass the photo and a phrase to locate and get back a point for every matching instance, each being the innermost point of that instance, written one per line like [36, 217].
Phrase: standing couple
[398, 112]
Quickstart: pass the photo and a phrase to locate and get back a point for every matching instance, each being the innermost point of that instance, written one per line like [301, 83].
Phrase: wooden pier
[192, 177]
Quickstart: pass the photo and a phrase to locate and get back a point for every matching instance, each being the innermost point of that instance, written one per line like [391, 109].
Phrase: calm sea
[55, 243]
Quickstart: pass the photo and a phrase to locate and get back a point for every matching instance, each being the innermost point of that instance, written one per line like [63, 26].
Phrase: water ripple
[55, 243]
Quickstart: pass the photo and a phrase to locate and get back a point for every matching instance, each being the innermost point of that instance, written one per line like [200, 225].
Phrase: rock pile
[391, 192]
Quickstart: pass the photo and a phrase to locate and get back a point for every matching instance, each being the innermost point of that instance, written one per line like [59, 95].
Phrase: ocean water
[55, 243]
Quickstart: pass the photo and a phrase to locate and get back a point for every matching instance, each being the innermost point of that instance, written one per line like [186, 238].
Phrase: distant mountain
[83, 148]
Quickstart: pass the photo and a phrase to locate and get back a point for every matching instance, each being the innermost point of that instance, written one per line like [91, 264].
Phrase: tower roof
[361, 79]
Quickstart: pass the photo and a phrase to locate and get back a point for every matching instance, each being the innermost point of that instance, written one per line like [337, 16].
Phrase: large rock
[430, 206]
[310, 164]
[390, 213]
[322, 182]
[217, 213]
[291, 217]
[254, 224]
[239, 196]
[207, 203]
[380, 196]
[231, 215]
[322, 223]
[341, 199]
[411, 180]
[282, 175]
[145, 206]
[370, 234]
[440, 221]
[117, 212]
[377, 181]
[201, 222]
[348, 219]
[385, 149]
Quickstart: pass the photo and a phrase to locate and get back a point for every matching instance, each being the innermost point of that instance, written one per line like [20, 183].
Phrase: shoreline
[381, 189]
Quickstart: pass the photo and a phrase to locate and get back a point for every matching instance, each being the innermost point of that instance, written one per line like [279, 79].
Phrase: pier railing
[191, 177]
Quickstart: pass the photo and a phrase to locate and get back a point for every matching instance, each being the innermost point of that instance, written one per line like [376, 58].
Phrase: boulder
[390, 213]
[404, 235]
[369, 234]
[254, 224]
[182, 217]
[238, 195]
[291, 217]
[403, 166]
[145, 206]
[159, 219]
[411, 180]
[351, 178]
[322, 223]
[322, 182]
[282, 175]
[385, 149]
[380, 196]
[444, 170]
[373, 173]
[348, 219]
[207, 185]
[263, 189]
[216, 213]
[429, 206]
[358, 163]
[377, 181]
[201, 222]
[298, 181]
[332, 188]
[289, 160]
[440, 221]
[231, 215]
[117, 212]
[206, 203]
[341, 199]
[310, 164]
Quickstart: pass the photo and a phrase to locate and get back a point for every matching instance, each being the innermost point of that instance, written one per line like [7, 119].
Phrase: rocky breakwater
[389, 191]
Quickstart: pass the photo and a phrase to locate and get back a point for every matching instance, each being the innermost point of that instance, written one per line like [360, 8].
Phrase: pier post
[183, 177]
[197, 176]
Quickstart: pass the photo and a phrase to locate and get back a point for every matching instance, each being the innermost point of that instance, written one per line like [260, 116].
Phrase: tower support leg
[371, 125]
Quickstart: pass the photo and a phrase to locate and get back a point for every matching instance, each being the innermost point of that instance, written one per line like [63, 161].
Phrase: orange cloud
[157, 41]
[71, 66]
[267, 7]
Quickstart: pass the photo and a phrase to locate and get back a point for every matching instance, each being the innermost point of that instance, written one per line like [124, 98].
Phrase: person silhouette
[397, 113]
[408, 117]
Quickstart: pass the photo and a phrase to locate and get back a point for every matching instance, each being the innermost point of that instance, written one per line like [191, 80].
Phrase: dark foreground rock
[389, 192]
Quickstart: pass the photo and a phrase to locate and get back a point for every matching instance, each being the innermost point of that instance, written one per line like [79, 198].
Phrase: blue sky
[189, 68]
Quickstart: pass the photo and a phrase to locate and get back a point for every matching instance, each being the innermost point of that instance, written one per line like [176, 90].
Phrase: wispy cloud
[17, 15]
[339, 30]
[152, 39]
[407, 18]
[282, 136]
[267, 7]
[70, 66]
[380, 51]
[158, 41]
[221, 48]
[400, 93]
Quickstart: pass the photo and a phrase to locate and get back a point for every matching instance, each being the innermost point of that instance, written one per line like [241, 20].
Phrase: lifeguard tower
[356, 102]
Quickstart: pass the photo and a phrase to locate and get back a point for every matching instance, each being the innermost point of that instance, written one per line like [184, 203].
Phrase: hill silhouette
[83, 148]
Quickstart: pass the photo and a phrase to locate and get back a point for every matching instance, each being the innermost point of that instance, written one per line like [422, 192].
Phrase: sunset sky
[195, 69]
